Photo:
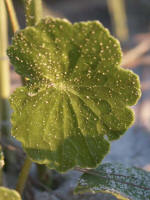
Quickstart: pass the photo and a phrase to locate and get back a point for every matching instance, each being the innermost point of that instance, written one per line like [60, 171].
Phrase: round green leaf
[8, 194]
[77, 97]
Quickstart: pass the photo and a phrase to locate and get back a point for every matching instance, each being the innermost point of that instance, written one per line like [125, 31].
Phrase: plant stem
[4, 84]
[23, 175]
[33, 10]
[4, 72]
[12, 15]
[4, 66]
[119, 18]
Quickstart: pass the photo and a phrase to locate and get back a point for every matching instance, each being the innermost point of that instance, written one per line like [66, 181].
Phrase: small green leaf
[8, 194]
[76, 92]
[124, 183]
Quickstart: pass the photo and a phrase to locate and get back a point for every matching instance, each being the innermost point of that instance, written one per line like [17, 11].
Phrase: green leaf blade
[76, 92]
[64, 130]
[124, 183]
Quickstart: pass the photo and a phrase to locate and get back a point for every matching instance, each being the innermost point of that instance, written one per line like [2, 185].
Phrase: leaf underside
[8, 194]
[76, 94]
[124, 183]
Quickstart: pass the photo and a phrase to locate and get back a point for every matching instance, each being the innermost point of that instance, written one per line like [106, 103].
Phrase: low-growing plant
[75, 101]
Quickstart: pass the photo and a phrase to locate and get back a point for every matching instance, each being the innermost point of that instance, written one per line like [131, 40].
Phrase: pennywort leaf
[76, 95]
[8, 194]
[124, 183]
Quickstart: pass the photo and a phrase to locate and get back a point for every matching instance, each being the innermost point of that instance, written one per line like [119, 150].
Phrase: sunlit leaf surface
[124, 183]
[77, 97]
[8, 194]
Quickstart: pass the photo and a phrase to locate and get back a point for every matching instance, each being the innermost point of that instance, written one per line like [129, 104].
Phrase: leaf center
[61, 86]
